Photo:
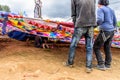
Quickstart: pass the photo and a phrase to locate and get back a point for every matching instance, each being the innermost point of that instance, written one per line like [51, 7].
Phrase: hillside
[19, 61]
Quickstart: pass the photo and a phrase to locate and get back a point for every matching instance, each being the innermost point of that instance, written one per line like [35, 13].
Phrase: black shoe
[88, 70]
[68, 65]
[101, 67]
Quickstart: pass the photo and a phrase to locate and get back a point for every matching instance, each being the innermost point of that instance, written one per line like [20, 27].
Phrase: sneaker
[88, 70]
[101, 67]
[68, 65]
[107, 67]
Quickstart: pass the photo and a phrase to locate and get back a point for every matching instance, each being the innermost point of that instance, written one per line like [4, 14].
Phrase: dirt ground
[18, 61]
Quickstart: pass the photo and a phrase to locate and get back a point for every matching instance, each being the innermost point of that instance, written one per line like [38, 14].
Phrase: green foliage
[4, 8]
[0, 8]
[118, 23]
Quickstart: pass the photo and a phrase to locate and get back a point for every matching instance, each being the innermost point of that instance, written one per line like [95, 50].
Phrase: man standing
[37, 9]
[106, 20]
[84, 18]
[5, 16]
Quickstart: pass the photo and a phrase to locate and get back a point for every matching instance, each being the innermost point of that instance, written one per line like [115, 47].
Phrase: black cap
[103, 2]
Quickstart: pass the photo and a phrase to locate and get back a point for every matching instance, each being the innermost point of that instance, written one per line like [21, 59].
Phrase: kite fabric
[18, 27]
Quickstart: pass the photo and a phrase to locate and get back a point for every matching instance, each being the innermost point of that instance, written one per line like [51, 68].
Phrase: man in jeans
[107, 21]
[5, 16]
[84, 18]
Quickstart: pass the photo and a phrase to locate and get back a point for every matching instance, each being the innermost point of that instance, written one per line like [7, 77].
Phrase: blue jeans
[78, 33]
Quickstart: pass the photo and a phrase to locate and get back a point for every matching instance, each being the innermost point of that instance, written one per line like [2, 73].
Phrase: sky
[50, 8]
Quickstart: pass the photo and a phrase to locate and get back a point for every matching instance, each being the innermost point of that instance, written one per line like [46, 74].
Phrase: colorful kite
[54, 30]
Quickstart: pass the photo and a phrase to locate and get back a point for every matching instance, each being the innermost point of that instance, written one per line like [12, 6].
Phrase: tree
[4, 8]
[0, 8]
[118, 23]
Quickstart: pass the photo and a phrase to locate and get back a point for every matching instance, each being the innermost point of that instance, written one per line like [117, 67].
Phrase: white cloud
[50, 8]
[59, 19]
[54, 8]
[20, 6]
[117, 12]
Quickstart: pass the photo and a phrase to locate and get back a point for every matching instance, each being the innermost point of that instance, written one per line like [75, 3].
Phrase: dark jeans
[78, 33]
[38, 41]
[99, 42]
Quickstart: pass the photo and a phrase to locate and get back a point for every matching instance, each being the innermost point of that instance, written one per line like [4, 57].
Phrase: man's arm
[73, 10]
[100, 16]
[114, 20]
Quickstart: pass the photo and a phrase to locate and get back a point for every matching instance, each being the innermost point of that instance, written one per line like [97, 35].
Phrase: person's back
[84, 18]
[83, 13]
[106, 18]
